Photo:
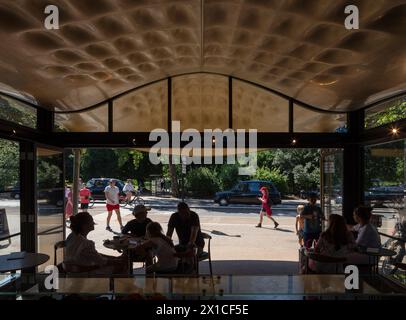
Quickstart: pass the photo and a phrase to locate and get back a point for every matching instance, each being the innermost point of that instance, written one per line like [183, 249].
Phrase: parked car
[97, 186]
[15, 192]
[304, 194]
[247, 192]
[52, 196]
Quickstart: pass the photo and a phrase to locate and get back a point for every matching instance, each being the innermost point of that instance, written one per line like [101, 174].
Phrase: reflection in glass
[306, 120]
[9, 197]
[94, 120]
[385, 187]
[200, 101]
[17, 112]
[332, 183]
[142, 110]
[385, 113]
[256, 108]
[50, 200]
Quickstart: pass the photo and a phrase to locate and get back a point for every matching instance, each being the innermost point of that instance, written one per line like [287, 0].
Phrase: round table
[29, 260]
[123, 245]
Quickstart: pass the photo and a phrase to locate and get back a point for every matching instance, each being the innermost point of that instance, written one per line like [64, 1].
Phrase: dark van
[247, 192]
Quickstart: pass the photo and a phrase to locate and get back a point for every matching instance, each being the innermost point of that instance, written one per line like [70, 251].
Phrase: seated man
[138, 226]
[187, 226]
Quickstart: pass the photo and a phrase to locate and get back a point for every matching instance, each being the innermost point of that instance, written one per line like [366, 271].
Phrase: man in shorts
[112, 203]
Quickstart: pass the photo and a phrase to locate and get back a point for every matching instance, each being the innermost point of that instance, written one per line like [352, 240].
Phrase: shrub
[275, 176]
[228, 176]
[201, 182]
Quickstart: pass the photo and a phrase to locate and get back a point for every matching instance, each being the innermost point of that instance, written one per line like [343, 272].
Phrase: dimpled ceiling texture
[300, 48]
[200, 101]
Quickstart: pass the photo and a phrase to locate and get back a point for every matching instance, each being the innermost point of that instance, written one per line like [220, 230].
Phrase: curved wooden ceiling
[300, 48]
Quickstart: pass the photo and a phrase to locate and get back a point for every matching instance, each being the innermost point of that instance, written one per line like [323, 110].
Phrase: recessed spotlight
[395, 131]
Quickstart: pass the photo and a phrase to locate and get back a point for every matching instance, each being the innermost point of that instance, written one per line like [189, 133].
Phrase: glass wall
[50, 201]
[332, 181]
[385, 113]
[306, 120]
[17, 112]
[256, 108]
[385, 190]
[94, 120]
[9, 197]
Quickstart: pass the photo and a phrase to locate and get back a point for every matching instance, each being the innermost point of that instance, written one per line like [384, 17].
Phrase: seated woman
[336, 241]
[82, 252]
[138, 226]
[162, 248]
[368, 236]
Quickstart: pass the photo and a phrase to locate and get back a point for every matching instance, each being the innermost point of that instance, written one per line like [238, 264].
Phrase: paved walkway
[237, 246]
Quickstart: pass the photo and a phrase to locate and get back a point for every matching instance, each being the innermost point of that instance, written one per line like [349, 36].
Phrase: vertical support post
[45, 120]
[110, 116]
[230, 102]
[28, 208]
[76, 174]
[291, 116]
[353, 157]
[28, 196]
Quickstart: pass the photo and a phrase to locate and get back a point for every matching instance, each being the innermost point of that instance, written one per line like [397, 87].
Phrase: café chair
[185, 257]
[206, 255]
[337, 261]
[59, 245]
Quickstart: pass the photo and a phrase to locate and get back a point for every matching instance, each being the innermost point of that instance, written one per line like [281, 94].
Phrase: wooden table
[10, 263]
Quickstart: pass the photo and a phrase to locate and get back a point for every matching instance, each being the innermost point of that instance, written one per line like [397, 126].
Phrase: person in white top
[128, 189]
[112, 193]
[162, 249]
[82, 252]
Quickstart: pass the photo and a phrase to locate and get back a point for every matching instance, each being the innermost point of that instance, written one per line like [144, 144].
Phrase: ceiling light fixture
[395, 131]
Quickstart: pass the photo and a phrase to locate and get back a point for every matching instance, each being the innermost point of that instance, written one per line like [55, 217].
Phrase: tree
[275, 176]
[202, 182]
[9, 163]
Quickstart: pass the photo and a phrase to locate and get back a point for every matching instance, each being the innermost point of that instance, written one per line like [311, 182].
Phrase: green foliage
[275, 176]
[9, 163]
[294, 164]
[49, 173]
[202, 182]
[227, 176]
[391, 114]
[14, 111]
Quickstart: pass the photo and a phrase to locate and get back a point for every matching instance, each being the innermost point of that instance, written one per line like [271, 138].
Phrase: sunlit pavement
[237, 246]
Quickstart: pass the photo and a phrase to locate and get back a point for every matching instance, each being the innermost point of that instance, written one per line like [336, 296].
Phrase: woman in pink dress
[266, 208]
[69, 204]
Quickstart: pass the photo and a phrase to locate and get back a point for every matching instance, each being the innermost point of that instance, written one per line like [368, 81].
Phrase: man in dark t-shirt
[137, 227]
[314, 217]
[187, 226]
